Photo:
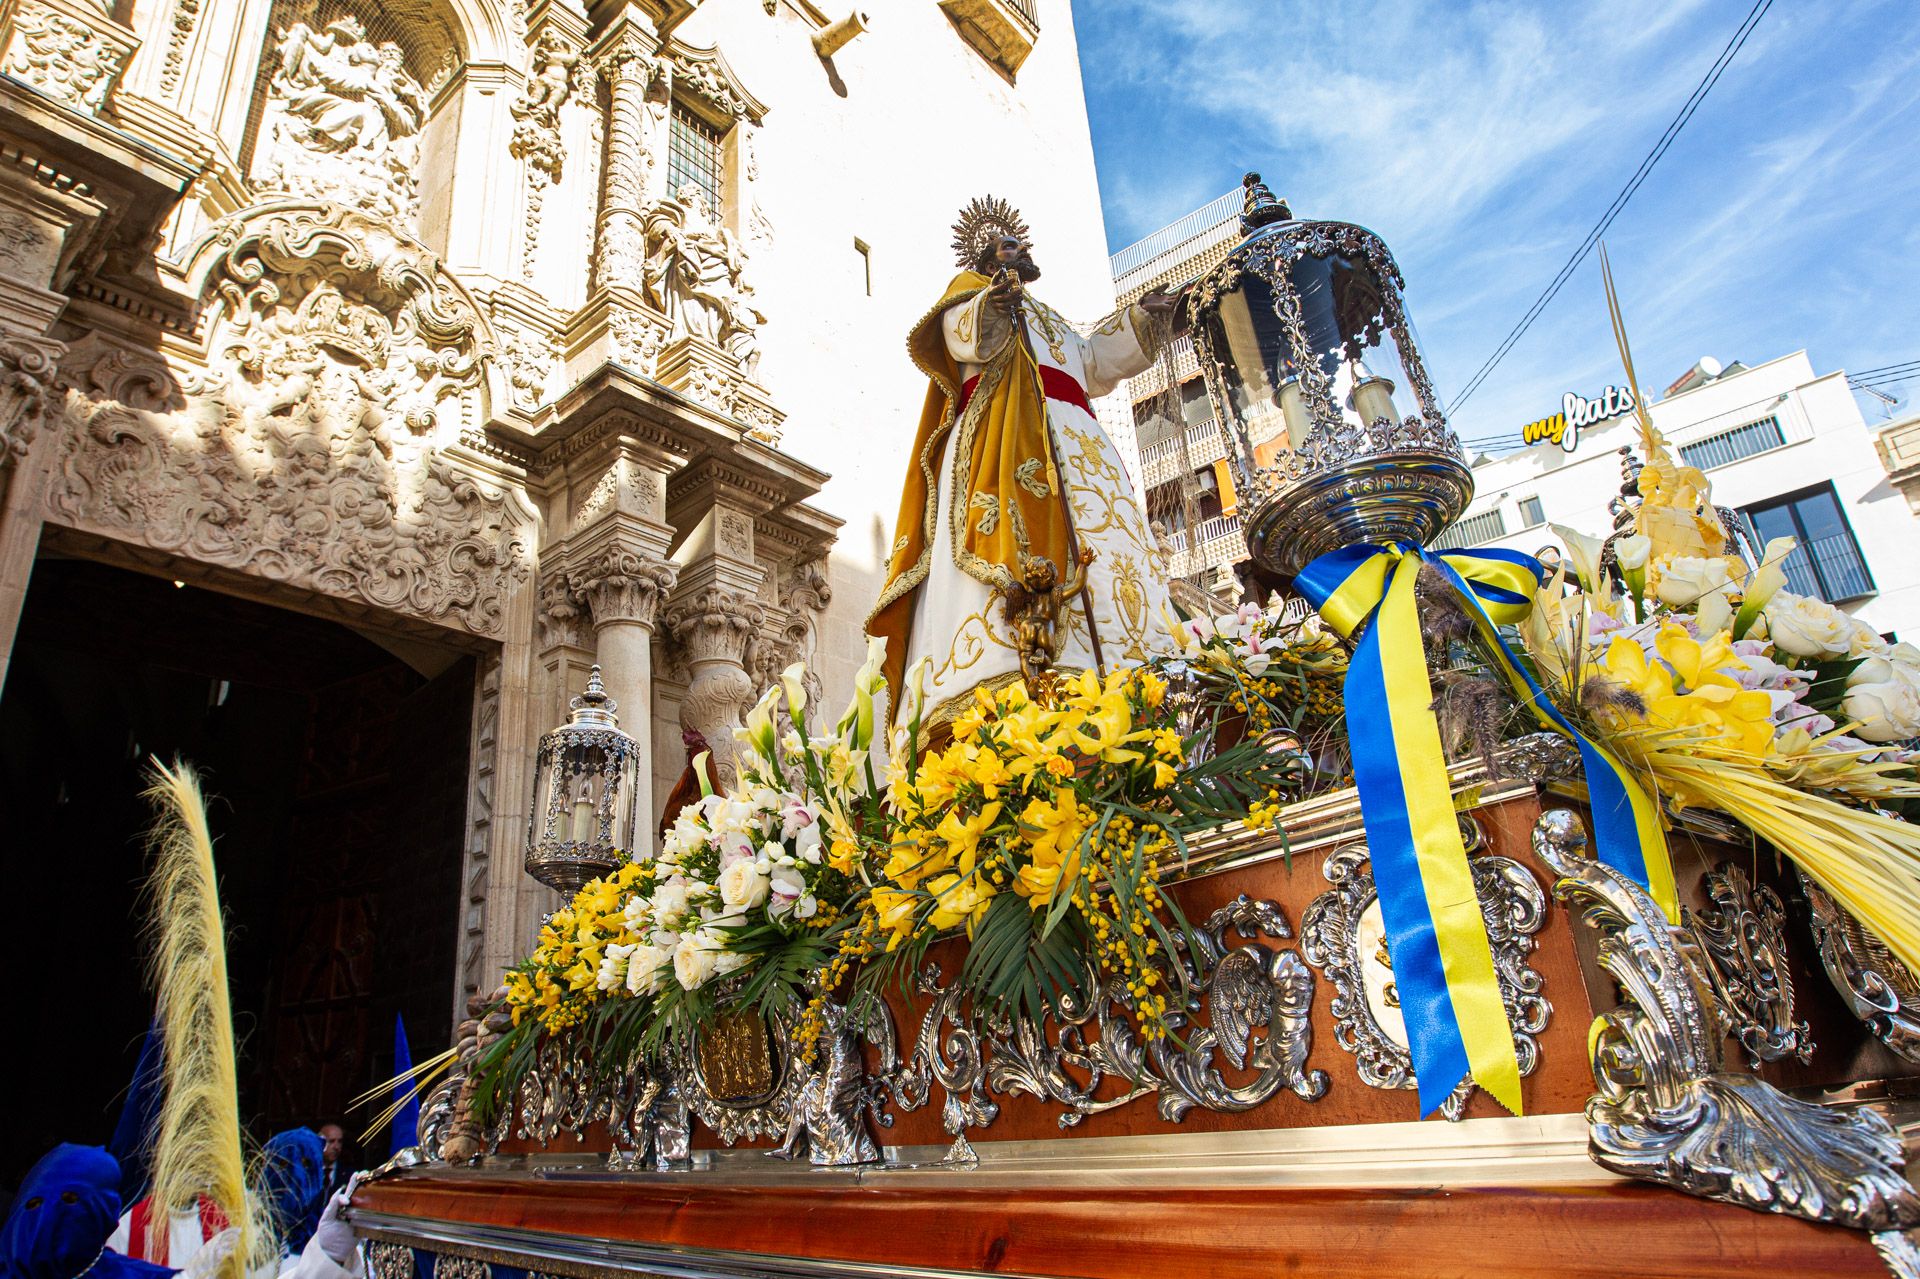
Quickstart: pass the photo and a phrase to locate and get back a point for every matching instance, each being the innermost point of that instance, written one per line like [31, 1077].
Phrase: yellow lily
[958, 897]
[1053, 847]
[962, 835]
[894, 911]
[1698, 665]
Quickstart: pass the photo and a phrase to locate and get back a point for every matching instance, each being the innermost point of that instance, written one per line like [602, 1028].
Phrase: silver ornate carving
[946, 1051]
[1742, 932]
[1347, 481]
[1668, 1111]
[1879, 989]
[827, 1121]
[1342, 934]
[1256, 1002]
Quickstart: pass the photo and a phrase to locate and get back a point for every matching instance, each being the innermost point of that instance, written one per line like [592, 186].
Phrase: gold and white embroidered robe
[957, 620]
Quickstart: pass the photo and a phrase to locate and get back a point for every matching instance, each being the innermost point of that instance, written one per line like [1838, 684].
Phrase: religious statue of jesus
[1013, 489]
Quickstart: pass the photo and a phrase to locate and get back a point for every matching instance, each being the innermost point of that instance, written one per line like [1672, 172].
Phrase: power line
[1614, 210]
[1859, 375]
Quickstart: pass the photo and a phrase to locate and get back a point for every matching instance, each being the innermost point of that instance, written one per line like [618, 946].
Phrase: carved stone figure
[344, 118]
[696, 274]
[536, 131]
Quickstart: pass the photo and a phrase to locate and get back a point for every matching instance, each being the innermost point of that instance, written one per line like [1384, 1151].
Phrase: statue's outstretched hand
[1158, 302]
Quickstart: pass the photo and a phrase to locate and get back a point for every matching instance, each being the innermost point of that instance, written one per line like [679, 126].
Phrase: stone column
[622, 589]
[27, 368]
[713, 626]
[625, 61]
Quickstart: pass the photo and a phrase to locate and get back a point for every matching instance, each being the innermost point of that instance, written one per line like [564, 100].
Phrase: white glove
[212, 1255]
[334, 1234]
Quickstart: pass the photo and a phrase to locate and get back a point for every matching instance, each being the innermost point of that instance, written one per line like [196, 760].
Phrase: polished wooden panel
[1610, 1231]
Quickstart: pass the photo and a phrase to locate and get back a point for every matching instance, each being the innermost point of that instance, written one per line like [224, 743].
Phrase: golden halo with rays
[984, 220]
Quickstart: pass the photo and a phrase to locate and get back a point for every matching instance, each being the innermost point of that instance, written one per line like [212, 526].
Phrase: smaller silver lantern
[1304, 341]
[585, 795]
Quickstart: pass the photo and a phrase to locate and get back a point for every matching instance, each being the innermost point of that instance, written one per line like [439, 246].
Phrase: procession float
[1439, 912]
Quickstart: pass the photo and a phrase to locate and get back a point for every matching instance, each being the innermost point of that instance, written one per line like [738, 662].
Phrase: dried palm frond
[198, 1150]
[1868, 861]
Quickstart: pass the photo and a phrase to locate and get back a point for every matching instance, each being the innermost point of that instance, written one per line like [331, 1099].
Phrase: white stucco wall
[1827, 439]
[917, 124]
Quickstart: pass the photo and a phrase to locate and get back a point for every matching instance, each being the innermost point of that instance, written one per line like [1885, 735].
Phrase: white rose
[728, 961]
[1864, 640]
[1806, 627]
[788, 887]
[694, 959]
[1684, 579]
[647, 969]
[1888, 712]
[670, 899]
[742, 886]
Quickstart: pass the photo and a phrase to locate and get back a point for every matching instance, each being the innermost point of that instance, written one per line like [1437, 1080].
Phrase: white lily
[1763, 583]
[1584, 551]
[791, 681]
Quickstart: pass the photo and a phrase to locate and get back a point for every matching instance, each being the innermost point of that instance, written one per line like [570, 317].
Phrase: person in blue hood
[60, 1222]
[296, 1182]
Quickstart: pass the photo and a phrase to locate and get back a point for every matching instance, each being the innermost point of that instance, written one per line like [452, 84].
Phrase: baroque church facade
[538, 333]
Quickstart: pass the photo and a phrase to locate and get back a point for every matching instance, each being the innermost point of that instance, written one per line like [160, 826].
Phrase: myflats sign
[1576, 412]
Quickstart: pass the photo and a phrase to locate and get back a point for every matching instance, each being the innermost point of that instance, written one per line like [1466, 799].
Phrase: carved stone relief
[564, 619]
[27, 369]
[529, 360]
[342, 122]
[64, 57]
[307, 451]
[558, 71]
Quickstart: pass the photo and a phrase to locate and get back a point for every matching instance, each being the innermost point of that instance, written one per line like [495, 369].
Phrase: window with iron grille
[1532, 512]
[1473, 530]
[693, 155]
[1826, 562]
[1731, 446]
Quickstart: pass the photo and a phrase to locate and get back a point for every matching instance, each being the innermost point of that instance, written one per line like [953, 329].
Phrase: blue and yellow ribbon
[1442, 961]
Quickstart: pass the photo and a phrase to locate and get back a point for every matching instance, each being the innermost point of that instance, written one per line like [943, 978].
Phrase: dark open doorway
[339, 777]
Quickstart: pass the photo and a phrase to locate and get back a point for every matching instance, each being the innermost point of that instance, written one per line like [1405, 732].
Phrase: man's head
[331, 1141]
[1009, 251]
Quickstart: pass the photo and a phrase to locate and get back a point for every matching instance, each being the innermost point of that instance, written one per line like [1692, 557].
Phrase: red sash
[1058, 384]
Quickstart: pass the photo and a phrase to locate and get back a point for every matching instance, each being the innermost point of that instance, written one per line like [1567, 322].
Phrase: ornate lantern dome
[1304, 341]
[585, 794]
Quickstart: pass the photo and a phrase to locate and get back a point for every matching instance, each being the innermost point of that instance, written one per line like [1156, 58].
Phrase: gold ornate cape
[1010, 500]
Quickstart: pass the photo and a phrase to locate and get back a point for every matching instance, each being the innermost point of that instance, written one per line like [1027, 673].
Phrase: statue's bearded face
[1010, 251]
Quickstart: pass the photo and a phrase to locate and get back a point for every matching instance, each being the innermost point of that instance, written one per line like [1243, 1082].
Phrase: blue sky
[1483, 140]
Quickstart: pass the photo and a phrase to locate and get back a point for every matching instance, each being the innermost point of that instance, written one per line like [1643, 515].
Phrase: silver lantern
[1333, 428]
[585, 795]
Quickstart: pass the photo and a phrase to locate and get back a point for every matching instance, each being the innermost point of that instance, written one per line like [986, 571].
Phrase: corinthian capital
[714, 625]
[620, 585]
[27, 368]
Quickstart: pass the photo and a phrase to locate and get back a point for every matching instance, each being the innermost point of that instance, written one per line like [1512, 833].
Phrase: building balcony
[1216, 543]
[1002, 30]
[1160, 461]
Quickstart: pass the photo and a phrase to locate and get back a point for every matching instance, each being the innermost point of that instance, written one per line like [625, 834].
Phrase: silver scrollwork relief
[1668, 1111]
[946, 1051]
[1249, 1009]
[1344, 936]
[388, 1260]
[1879, 989]
[1742, 932]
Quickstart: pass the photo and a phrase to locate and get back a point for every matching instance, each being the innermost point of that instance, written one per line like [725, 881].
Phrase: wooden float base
[683, 1225]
